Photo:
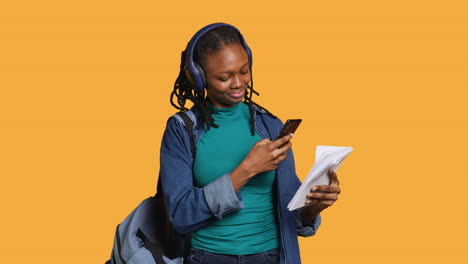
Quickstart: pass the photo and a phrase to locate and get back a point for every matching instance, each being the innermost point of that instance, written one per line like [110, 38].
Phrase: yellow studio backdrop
[84, 100]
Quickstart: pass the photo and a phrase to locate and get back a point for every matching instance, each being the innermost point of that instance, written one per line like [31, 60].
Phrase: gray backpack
[146, 236]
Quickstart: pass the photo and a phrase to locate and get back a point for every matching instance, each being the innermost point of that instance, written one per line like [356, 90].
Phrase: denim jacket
[191, 207]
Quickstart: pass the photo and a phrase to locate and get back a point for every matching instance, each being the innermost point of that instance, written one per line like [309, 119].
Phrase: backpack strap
[189, 121]
[154, 247]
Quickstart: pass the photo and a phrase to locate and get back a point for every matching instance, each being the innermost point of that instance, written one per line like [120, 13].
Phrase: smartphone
[289, 127]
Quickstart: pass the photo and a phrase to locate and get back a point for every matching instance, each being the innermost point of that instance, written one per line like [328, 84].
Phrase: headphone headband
[193, 71]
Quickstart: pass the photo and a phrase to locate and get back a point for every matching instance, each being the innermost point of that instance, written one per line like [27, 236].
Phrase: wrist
[245, 170]
[309, 213]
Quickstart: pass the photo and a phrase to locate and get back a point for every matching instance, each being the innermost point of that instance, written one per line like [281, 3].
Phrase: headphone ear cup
[201, 73]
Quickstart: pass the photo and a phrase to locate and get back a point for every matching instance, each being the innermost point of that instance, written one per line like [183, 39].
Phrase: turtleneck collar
[227, 114]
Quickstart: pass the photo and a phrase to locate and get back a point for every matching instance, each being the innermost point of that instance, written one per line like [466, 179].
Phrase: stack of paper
[326, 157]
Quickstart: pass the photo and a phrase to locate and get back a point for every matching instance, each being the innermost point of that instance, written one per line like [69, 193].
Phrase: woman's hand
[320, 197]
[264, 156]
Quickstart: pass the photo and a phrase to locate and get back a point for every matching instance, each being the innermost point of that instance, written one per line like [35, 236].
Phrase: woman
[232, 195]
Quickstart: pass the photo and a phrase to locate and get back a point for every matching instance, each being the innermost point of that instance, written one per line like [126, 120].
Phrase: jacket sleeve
[309, 229]
[190, 207]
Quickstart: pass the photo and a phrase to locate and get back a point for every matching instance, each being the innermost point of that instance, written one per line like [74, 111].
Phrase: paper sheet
[326, 157]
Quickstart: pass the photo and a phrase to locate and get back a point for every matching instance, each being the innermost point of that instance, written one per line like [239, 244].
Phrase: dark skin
[321, 197]
[228, 75]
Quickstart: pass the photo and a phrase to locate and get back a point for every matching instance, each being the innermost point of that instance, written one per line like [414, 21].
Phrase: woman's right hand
[264, 156]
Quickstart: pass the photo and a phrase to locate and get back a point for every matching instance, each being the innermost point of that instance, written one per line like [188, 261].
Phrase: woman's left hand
[320, 197]
[323, 196]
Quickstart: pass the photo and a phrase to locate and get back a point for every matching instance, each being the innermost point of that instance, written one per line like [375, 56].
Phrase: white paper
[326, 157]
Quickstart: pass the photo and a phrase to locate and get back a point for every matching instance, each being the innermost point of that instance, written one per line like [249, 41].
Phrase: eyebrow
[231, 71]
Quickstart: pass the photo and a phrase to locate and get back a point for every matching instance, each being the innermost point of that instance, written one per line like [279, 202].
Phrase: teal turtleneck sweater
[252, 229]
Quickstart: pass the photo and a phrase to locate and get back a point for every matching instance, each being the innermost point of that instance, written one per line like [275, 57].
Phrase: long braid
[252, 105]
[184, 90]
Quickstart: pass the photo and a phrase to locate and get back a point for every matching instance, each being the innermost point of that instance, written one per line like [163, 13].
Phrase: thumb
[333, 177]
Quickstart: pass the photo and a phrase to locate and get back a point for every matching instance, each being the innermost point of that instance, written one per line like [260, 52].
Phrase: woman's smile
[238, 94]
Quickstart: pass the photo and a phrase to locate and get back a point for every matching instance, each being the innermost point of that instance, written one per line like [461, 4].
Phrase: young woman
[232, 195]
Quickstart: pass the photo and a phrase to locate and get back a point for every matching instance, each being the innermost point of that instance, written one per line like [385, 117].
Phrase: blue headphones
[192, 70]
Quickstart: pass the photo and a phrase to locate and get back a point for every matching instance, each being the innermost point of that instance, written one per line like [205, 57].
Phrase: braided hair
[184, 90]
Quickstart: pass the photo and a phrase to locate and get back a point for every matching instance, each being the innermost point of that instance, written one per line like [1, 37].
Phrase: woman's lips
[237, 95]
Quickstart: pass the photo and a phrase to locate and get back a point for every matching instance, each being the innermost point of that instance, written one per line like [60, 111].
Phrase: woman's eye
[223, 79]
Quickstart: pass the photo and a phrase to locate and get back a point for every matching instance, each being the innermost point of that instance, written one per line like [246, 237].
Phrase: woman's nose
[236, 82]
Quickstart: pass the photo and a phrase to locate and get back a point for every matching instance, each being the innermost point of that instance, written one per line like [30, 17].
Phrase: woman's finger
[319, 201]
[323, 196]
[282, 150]
[327, 202]
[263, 142]
[281, 141]
[326, 188]
[281, 158]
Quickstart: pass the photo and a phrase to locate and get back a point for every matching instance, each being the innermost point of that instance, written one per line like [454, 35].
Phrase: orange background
[85, 96]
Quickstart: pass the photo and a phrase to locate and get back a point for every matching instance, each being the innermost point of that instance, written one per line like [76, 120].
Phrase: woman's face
[227, 75]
